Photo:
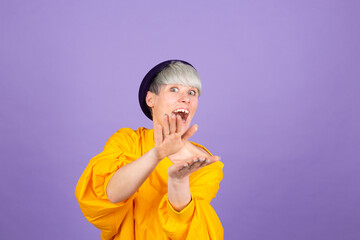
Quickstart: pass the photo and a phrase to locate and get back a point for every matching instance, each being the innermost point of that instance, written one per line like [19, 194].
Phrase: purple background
[280, 105]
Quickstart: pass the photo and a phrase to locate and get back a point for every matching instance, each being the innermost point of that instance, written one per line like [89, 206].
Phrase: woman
[156, 184]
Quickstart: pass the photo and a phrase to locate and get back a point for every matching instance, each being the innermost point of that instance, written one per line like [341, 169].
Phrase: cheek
[162, 104]
[195, 105]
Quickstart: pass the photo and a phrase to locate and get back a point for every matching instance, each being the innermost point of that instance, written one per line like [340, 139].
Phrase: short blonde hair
[176, 73]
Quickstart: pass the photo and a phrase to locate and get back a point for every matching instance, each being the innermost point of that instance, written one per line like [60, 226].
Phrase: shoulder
[125, 138]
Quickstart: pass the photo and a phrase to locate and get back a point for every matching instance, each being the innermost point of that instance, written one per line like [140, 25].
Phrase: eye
[174, 89]
[192, 93]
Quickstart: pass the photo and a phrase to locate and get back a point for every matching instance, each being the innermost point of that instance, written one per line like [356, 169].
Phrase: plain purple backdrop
[280, 105]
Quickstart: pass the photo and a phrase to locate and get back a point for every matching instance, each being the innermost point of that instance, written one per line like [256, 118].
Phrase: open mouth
[183, 113]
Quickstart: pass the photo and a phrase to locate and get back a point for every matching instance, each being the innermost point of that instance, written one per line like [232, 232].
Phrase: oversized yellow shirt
[147, 214]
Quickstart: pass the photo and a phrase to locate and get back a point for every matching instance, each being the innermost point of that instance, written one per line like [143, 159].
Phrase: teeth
[182, 110]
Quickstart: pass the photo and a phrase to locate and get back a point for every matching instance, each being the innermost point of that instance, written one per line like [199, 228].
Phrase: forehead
[165, 86]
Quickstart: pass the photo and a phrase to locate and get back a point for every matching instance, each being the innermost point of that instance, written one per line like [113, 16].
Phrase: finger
[199, 163]
[213, 159]
[209, 160]
[195, 163]
[190, 132]
[185, 166]
[172, 123]
[180, 167]
[166, 125]
[179, 124]
[158, 134]
[202, 161]
[175, 169]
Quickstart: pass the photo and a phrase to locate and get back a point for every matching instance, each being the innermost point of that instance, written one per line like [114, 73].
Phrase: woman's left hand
[183, 169]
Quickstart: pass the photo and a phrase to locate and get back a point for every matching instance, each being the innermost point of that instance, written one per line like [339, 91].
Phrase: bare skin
[185, 161]
[171, 140]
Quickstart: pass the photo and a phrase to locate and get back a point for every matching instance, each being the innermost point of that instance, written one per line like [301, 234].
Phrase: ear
[150, 99]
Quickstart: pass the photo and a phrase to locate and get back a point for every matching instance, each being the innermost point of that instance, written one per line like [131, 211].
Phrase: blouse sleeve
[197, 220]
[91, 188]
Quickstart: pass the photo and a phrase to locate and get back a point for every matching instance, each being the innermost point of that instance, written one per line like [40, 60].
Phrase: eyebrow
[179, 85]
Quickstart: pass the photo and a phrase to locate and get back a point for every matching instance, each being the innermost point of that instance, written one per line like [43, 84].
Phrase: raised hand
[170, 138]
[171, 142]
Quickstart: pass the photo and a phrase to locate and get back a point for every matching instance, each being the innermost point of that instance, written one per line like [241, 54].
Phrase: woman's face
[173, 98]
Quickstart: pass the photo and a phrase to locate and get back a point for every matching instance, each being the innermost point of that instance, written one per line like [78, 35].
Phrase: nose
[185, 98]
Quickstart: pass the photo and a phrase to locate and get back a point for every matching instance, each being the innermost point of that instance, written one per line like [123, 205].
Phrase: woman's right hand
[169, 138]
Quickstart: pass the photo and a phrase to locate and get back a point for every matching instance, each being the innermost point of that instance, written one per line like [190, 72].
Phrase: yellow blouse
[147, 214]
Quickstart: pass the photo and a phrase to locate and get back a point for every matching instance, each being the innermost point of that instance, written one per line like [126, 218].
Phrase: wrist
[176, 181]
[179, 194]
[159, 155]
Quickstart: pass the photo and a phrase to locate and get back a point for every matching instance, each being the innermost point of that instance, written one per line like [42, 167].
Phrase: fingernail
[207, 161]
[196, 160]
[186, 165]
[202, 159]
